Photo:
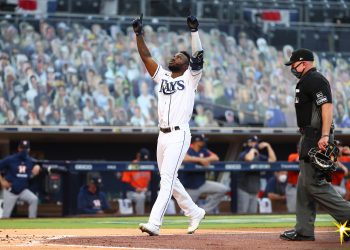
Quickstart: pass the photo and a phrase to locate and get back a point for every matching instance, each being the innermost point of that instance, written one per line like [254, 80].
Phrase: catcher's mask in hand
[324, 161]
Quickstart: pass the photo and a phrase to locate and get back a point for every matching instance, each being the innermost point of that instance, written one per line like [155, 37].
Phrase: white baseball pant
[171, 150]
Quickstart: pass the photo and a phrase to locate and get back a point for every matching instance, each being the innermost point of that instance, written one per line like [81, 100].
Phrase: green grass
[211, 222]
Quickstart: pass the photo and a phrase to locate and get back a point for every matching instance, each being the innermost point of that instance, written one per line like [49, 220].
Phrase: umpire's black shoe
[292, 235]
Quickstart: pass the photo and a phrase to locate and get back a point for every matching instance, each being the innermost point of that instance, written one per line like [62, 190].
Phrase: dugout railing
[72, 170]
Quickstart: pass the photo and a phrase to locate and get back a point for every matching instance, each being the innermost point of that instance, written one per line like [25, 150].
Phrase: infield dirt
[268, 238]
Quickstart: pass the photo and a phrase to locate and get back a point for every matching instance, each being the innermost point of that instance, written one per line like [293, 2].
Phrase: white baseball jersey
[175, 96]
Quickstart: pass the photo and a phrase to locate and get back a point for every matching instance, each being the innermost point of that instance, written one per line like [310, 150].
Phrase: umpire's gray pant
[215, 190]
[310, 190]
[26, 195]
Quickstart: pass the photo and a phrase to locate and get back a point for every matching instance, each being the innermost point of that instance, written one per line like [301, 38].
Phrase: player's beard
[174, 68]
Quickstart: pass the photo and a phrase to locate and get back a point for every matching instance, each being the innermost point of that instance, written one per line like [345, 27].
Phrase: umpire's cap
[24, 144]
[300, 55]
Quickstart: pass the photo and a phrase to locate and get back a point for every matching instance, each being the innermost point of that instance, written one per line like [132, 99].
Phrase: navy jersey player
[176, 92]
[16, 171]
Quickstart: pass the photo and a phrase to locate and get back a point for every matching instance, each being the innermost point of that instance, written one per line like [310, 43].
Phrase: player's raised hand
[137, 25]
[192, 23]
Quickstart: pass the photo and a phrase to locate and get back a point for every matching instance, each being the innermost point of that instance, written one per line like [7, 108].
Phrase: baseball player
[18, 169]
[138, 182]
[176, 92]
[91, 200]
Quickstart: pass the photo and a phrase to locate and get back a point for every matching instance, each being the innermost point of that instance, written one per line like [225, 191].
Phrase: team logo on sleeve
[169, 88]
[320, 98]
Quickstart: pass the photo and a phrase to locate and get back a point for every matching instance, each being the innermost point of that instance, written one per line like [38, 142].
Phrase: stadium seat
[342, 43]
[62, 5]
[86, 6]
[316, 40]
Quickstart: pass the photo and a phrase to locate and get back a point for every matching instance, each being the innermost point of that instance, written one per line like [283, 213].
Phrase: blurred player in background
[16, 171]
[138, 182]
[292, 181]
[338, 180]
[91, 200]
[249, 182]
[195, 182]
[176, 93]
[275, 190]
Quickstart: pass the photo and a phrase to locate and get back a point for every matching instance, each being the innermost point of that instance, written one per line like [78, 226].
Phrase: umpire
[314, 111]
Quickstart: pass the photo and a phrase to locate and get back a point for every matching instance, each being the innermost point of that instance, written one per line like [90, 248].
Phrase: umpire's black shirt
[311, 92]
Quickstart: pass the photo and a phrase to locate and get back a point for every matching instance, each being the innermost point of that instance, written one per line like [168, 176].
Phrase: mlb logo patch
[321, 100]
[319, 95]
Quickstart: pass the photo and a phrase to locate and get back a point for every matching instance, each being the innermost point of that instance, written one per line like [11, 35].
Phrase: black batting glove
[137, 25]
[192, 23]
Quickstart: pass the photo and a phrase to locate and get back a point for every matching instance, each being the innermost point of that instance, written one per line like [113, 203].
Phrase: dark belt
[310, 131]
[169, 129]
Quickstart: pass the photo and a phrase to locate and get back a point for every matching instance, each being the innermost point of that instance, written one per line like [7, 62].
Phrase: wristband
[324, 136]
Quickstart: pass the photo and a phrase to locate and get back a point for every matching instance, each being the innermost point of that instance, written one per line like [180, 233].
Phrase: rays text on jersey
[169, 88]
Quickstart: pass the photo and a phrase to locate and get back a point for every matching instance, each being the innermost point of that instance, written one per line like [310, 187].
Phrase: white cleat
[152, 230]
[195, 221]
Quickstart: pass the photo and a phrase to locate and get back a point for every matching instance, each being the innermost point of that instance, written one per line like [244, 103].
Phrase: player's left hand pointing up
[137, 25]
[192, 23]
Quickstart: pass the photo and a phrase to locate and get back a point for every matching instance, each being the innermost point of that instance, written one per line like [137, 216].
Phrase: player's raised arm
[196, 62]
[146, 56]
